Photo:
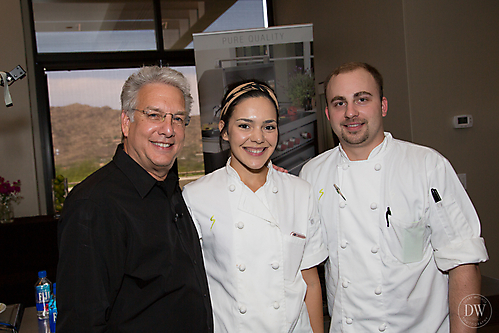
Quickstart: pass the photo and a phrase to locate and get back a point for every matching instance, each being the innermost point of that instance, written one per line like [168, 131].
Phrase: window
[82, 44]
[130, 25]
[83, 26]
[85, 116]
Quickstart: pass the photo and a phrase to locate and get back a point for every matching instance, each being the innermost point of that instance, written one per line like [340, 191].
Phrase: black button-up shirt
[130, 258]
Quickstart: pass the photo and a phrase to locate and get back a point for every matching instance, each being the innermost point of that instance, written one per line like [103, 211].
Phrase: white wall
[17, 141]
[438, 59]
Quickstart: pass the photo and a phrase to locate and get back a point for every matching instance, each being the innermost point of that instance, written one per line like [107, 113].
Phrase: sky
[103, 87]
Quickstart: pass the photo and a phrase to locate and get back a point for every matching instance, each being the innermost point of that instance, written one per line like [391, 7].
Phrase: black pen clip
[388, 212]
[435, 195]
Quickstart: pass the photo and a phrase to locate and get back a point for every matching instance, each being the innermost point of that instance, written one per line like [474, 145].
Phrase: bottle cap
[42, 274]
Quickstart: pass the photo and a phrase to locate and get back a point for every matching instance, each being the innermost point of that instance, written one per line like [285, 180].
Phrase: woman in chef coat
[259, 228]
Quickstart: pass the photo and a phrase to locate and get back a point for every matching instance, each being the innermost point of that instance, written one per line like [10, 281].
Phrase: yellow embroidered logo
[213, 220]
[321, 191]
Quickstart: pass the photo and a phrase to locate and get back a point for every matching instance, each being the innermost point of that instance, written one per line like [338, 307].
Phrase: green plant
[60, 190]
[301, 87]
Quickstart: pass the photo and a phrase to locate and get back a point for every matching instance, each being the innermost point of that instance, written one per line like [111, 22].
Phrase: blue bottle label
[53, 319]
[42, 297]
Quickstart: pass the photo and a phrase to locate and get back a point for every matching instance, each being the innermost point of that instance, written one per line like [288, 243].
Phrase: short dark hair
[351, 66]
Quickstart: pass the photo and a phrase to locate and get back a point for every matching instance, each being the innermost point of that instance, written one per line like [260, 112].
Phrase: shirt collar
[139, 177]
[233, 173]
[378, 150]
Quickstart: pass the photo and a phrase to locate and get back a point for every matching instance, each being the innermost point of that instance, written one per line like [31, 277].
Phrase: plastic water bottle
[53, 309]
[42, 295]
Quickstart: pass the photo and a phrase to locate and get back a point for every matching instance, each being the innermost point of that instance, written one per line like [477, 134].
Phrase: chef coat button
[344, 166]
[374, 206]
[275, 190]
[377, 167]
[343, 244]
[242, 267]
[275, 265]
[242, 309]
[276, 305]
[232, 187]
[240, 225]
[382, 327]
[344, 284]
[375, 249]
[349, 321]
[342, 204]
[378, 290]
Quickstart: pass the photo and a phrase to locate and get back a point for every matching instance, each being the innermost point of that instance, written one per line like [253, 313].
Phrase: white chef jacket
[255, 245]
[389, 242]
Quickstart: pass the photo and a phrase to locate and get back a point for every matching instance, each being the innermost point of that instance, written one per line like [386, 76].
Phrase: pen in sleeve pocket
[435, 195]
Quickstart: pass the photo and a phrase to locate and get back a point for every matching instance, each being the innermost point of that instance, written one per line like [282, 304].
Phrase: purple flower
[9, 192]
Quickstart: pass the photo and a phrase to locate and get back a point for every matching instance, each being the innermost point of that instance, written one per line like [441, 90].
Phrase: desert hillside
[85, 138]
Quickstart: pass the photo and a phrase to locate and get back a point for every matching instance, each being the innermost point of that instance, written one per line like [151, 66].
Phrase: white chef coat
[255, 245]
[388, 241]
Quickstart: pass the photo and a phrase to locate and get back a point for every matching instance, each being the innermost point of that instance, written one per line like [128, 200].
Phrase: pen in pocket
[388, 212]
[435, 195]
[296, 234]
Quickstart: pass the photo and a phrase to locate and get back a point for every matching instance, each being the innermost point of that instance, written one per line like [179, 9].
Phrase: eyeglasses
[178, 119]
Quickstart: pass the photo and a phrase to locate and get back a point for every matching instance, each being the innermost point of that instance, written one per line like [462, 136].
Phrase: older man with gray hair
[130, 258]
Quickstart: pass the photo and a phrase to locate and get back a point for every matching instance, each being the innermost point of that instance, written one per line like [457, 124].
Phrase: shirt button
[242, 309]
[374, 206]
[275, 265]
[349, 321]
[378, 290]
[343, 244]
[377, 167]
[242, 267]
[382, 327]
[276, 305]
[232, 187]
[275, 190]
[344, 284]
[344, 166]
[240, 225]
[342, 204]
[375, 249]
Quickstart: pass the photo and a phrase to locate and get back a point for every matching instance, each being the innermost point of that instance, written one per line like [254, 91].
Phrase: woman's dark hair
[240, 91]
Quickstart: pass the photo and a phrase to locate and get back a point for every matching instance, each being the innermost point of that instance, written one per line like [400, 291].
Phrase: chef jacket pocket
[407, 240]
[293, 250]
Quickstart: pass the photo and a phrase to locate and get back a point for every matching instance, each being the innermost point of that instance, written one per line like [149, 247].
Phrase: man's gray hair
[153, 74]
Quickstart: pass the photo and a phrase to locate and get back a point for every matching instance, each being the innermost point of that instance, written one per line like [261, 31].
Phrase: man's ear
[125, 123]
[384, 106]
[221, 125]
[327, 112]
